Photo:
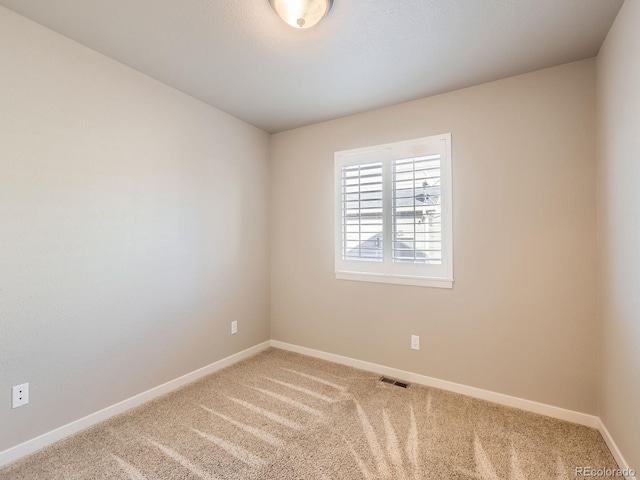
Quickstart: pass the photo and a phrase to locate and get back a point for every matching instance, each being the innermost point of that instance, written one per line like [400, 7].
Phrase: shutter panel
[362, 219]
[417, 210]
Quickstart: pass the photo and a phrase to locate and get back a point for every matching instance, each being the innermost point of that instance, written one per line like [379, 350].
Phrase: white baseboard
[615, 451]
[30, 446]
[500, 398]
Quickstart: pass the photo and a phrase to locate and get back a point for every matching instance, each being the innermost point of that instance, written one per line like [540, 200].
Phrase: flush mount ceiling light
[301, 13]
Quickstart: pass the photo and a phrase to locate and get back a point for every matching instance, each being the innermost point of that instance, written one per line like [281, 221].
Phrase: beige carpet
[281, 415]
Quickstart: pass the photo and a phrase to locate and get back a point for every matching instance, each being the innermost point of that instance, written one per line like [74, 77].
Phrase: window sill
[396, 279]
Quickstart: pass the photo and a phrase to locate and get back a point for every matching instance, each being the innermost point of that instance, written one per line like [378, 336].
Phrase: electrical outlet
[19, 395]
[234, 327]
[415, 342]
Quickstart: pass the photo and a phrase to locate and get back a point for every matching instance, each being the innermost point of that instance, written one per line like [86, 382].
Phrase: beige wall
[133, 229]
[618, 68]
[520, 319]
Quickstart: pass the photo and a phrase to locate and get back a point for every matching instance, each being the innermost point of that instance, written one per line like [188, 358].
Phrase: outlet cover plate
[19, 395]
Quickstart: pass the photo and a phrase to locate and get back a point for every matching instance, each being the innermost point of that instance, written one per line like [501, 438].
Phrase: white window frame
[388, 271]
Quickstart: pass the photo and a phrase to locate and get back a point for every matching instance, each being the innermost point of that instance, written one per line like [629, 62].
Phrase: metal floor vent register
[394, 382]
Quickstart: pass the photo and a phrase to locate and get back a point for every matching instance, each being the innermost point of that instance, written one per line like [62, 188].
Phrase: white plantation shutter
[417, 234]
[360, 238]
[393, 213]
[362, 212]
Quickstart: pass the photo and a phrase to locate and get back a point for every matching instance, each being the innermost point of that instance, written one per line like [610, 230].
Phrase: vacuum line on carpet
[266, 413]
[301, 389]
[317, 379]
[256, 432]
[133, 472]
[289, 401]
[234, 450]
[182, 460]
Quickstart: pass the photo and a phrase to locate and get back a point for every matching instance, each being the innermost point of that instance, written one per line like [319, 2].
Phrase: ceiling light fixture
[301, 13]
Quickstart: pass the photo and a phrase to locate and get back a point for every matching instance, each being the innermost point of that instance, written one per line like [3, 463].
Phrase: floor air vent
[394, 382]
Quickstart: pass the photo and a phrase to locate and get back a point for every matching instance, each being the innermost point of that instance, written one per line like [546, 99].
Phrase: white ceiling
[238, 56]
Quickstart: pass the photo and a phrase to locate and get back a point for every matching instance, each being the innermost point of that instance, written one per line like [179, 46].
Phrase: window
[393, 213]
